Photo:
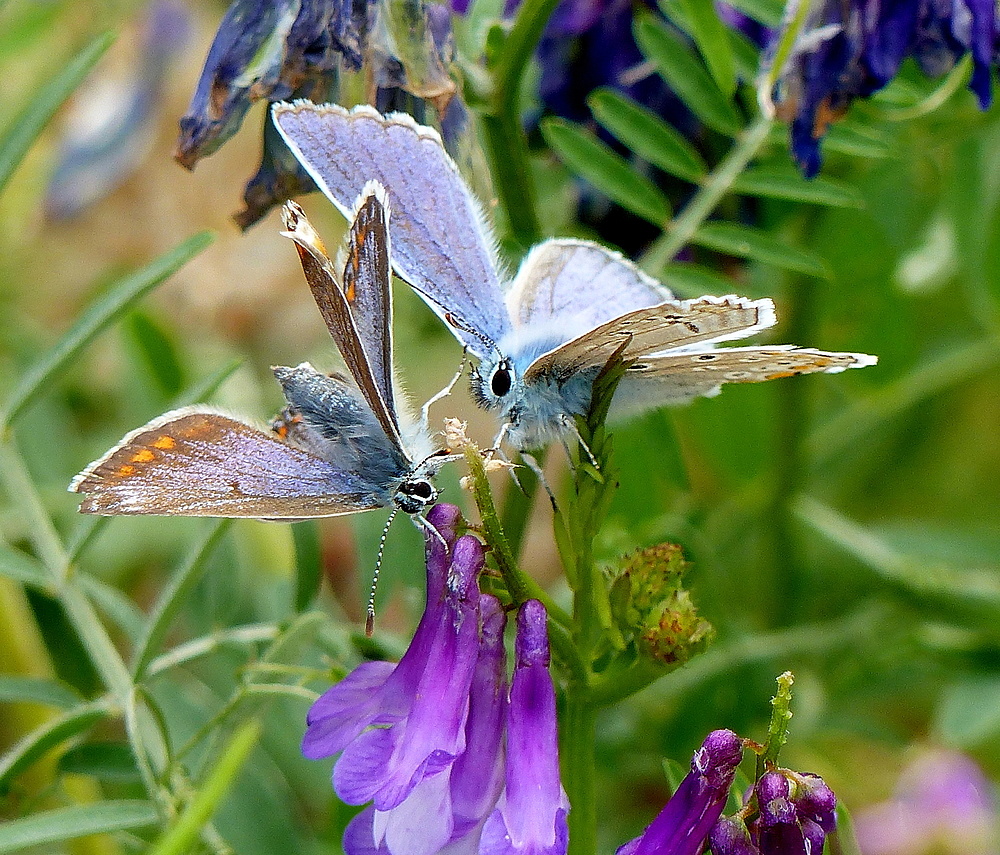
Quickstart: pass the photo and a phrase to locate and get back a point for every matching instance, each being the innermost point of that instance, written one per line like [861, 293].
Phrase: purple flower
[794, 813]
[417, 709]
[852, 48]
[684, 823]
[943, 803]
[530, 816]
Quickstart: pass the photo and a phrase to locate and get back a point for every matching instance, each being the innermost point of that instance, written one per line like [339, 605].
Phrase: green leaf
[308, 563]
[792, 186]
[24, 130]
[693, 280]
[55, 731]
[106, 761]
[767, 12]
[174, 596]
[647, 135]
[687, 76]
[607, 171]
[157, 352]
[37, 690]
[705, 27]
[55, 826]
[857, 141]
[120, 297]
[22, 568]
[749, 243]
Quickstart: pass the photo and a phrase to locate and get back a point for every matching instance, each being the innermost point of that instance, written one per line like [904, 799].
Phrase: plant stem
[579, 733]
[717, 185]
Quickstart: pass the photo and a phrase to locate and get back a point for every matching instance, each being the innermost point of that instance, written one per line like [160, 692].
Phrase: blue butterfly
[542, 337]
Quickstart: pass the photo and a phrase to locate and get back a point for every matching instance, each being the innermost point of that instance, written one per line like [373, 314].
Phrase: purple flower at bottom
[684, 823]
[530, 817]
[943, 804]
[416, 710]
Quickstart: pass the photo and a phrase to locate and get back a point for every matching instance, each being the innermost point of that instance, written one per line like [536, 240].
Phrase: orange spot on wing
[125, 471]
[164, 442]
[143, 455]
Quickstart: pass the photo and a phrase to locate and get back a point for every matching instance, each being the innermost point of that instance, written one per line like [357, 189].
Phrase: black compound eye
[418, 489]
[502, 379]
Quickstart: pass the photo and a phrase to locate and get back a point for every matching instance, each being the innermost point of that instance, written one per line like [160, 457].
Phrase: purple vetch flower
[851, 48]
[445, 812]
[416, 710]
[530, 816]
[943, 804]
[790, 813]
[684, 823]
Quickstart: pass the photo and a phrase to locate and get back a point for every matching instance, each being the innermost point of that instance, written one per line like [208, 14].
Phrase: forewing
[580, 284]
[686, 374]
[194, 463]
[666, 326]
[335, 307]
[441, 244]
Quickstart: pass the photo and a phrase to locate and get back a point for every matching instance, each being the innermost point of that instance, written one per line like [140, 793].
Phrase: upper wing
[689, 373]
[580, 285]
[368, 288]
[666, 326]
[441, 244]
[194, 463]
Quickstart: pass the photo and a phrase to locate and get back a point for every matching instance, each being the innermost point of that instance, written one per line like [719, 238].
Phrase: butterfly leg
[445, 392]
[569, 426]
[494, 449]
[536, 467]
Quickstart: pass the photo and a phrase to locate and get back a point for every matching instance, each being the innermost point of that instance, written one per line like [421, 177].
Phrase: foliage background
[841, 527]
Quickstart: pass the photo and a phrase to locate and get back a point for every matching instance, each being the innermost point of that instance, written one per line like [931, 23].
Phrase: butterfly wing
[441, 245]
[666, 326]
[196, 463]
[367, 268]
[579, 285]
[682, 375]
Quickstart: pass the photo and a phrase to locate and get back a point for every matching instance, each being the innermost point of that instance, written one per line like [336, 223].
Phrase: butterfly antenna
[460, 324]
[370, 619]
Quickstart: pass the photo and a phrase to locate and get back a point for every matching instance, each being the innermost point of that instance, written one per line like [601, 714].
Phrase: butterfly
[338, 447]
[542, 338]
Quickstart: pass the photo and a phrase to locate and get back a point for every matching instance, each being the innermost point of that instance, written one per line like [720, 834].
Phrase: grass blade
[28, 125]
[120, 297]
[749, 243]
[55, 826]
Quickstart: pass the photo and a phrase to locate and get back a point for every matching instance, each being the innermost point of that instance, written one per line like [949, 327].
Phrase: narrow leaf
[119, 298]
[33, 745]
[758, 246]
[687, 76]
[22, 568]
[55, 826]
[607, 171]
[705, 27]
[23, 131]
[37, 690]
[180, 837]
[858, 141]
[647, 135]
[174, 596]
[693, 280]
[105, 761]
[792, 186]
[766, 12]
[308, 563]
[157, 352]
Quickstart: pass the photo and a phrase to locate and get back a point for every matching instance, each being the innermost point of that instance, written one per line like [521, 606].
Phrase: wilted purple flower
[684, 823]
[943, 804]
[852, 48]
[111, 126]
[530, 816]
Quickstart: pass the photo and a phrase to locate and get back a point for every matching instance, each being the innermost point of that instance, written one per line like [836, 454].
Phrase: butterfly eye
[418, 489]
[501, 381]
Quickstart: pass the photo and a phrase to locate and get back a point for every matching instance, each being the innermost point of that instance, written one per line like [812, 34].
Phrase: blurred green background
[843, 527]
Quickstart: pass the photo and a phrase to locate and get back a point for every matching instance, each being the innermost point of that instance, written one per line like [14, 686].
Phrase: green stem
[579, 734]
[717, 185]
[517, 505]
